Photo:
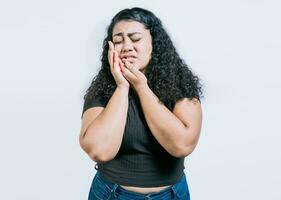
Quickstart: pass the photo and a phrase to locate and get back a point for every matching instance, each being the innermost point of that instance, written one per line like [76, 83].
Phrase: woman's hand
[136, 78]
[116, 66]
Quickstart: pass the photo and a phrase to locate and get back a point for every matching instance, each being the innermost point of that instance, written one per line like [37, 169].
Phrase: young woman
[142, 113]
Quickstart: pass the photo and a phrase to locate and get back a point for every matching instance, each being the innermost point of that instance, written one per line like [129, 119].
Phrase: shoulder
[188, 110]
[187, 103]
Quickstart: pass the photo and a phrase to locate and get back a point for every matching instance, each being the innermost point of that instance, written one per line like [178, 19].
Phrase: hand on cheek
[120, 63]
[136, 78]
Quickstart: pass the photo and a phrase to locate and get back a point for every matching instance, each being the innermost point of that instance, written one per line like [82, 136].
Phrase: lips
[128, 56]
[131, 59]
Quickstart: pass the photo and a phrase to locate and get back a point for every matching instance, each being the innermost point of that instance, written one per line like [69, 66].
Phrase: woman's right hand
[116, 65]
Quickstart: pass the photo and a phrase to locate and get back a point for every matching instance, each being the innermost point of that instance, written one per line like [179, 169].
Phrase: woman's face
[132, 42]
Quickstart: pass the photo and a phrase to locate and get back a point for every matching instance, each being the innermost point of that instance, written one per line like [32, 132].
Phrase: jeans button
[96, 166]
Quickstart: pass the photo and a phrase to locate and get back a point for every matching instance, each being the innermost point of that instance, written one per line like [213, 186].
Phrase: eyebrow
[129, 34]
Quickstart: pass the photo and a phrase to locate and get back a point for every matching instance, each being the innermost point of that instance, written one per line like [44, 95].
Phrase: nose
[127, 46]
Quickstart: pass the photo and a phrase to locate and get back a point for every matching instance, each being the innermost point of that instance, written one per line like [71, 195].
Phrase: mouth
[128, 56]
[130, 59]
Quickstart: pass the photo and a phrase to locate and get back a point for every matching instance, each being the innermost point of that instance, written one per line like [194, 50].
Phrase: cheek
[145, 51]
[148, 49]
[144, 58]
[118, 48]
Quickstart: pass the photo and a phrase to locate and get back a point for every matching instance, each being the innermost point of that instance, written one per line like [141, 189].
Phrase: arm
[102, 138]
[177, 131]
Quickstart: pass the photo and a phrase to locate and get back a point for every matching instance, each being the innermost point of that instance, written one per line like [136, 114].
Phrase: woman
[142, 113]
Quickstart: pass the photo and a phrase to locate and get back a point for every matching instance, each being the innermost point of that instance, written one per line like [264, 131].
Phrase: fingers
[133, 69]
[129, 71]
[121, 63]
[110, 52]
[128, 65]
[121, 66]
[115, 59]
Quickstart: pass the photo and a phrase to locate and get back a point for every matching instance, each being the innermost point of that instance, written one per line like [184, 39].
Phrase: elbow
[99, 157]
[182, 152]
[95, 155]
[184, 149]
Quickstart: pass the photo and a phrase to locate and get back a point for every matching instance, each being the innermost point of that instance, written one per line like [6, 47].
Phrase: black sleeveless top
[141, 161]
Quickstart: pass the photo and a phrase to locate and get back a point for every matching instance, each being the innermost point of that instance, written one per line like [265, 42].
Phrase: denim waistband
[118, 190]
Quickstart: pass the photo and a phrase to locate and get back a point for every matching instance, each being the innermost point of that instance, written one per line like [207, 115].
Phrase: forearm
[104, 135]
[169, 131]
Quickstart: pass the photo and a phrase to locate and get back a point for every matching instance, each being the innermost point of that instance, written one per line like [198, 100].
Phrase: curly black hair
[168, 76]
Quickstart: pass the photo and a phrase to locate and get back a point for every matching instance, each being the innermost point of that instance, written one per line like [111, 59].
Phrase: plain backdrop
[49, 53]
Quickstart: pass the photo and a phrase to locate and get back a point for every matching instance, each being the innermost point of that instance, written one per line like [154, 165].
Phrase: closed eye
[117, 42]
[135, 40]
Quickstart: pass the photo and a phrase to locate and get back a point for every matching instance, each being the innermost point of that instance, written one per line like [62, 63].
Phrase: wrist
[123, 87]
[142, 88]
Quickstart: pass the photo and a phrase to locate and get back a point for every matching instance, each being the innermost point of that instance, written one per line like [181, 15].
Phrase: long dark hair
[168, 76]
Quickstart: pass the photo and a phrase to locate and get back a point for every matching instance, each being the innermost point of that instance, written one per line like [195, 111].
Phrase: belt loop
[174, 193]
[113, 190]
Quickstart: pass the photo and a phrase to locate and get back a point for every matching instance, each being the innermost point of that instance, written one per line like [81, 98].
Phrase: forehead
[128, 27]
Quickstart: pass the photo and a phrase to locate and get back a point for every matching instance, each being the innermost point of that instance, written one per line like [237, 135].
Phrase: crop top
[141, 161]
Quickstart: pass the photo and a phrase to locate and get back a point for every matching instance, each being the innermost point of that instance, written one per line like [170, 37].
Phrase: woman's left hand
[136, 78]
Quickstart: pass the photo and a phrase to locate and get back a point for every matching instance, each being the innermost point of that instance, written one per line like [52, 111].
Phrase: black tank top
[141, 161]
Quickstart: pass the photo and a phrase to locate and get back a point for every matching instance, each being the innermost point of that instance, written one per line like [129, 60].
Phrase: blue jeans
[101, 189]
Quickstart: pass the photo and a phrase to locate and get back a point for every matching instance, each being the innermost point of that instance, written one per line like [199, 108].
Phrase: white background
[50, 51]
